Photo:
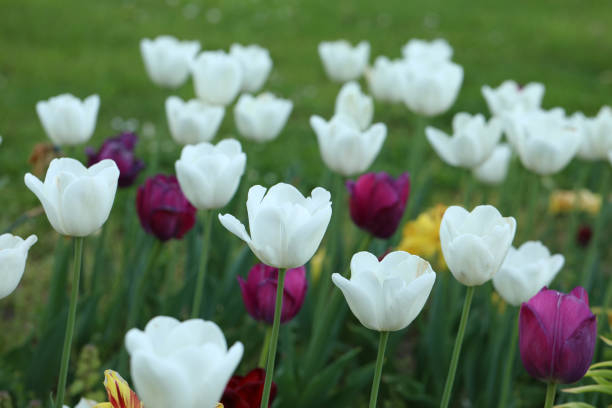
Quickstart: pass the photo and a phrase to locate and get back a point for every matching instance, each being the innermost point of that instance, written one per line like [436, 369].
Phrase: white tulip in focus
[263, 117]
[167, 59]
[385, 79]
[510, 96]
[256, 65]
[67, 120]
[525, 271]
[472, 142]
[217, 77]
[434, 51]
[494, 169]
[546, 141]
[597, 134]
[344, 148]
[474, 244]
[13, 255]
[76, 199]
[431, 88]
[343, 62]
[286, 227]
[355, 104]
[209, 175]
[193, 121]
[180, 364]
[386, 295]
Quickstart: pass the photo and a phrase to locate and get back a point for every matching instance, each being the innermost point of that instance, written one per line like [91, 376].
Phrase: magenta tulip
[120, 149]
[259, 292]
[377, 202]
[163, 209]
[557, 334]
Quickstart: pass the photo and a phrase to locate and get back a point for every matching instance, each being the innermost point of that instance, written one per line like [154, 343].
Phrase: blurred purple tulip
[557, 334]
[120, 149]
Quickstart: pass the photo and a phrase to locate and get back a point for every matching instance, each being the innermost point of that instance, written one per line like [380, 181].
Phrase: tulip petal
[534, 343]
[359, 300]
[85, 206]
[234, 226]
[50, 207]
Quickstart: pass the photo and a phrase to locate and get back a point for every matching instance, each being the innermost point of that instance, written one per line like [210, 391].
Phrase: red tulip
[246, 392]
[120, 149]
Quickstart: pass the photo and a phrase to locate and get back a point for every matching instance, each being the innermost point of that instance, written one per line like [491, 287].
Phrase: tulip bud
[120, 149]
[13, 255]
[193, 121]
[385, 79]
[167, 59]
[557, 334]
[438, 50]
[343, 62]
[510, 96]
[259, 292]
[263, 117]
[256, 65]
[246, 392]
[597, 134]
[217, 77]
[163, 209]
[355, 104]
[377, 202]
[67, 120]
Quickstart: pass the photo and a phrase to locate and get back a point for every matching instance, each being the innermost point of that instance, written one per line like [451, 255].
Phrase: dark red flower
[583, 236]
[120, 149]
[246, 392]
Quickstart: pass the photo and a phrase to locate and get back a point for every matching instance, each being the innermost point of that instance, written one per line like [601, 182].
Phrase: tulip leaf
[575, 405]
[605, 389]
[606, 340]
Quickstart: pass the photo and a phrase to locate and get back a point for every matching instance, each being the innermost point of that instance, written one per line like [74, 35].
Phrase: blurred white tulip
[167, 59]
[386, 79]
[193, 121]
[355, 104]
[343, 62]
[67, 120]
[13, 255]
[256, 65]
[217, 77]
[494, 169]
[263, 117]
[596, 134]
[510, 96]
[438, 50]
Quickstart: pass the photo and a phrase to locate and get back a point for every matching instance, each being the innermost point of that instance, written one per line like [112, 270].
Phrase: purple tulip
[259, 292]
[120, 149]
[377, 202]
[163, 209]
[557, 334]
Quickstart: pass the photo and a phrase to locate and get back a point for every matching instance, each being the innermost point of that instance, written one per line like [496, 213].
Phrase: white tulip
[193, 121]
[510, 96]
[167, 59]
[344, 148]
[545, 141]
[355, 104]
[67, 120]
[184, 365]
[525, 271]
[13, 255]
[256, 65]
[263, 117]
[217, 77]
[435, 51]
[474, 244]
[597, 134]
[84, 403]
[431, 88]
[286, 228]
[385, 79]
[494, 169]
[472, 142]
[343, 62]
[386, 295]
[209, 175]
[76, 199]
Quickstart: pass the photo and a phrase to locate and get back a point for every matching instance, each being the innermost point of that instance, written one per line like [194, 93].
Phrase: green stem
[551, 390]
[507, 378]
[264, 349]
[533, 208]
[450, 379]
[468, 188]
[382, 345]
[201, 281]
[74, 297]
[265, 398]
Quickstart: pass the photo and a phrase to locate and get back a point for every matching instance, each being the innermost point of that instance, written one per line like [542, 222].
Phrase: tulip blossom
[472, 142]
[13, 255]
[584, 235]
[67, 120]
[263, 117]
[120, 395]
[355, 104]
[180, 364]
[209, 175]
[510, 96]
[566, 201]
[120, 149]
[597, 134]
[286, 227]
[438, 50]
[377, 202]
[343, 62]
[193, 121]
[386, 295]
[256, 65]
[344, 148]
[557, 334]
[475, 243]
[76, 199]
[525, 271]
[246, 391]
[385, 79]
[167, 60]
[259, 292]
[217, 77]
[162, 208]
[494, 169]
[422, 236]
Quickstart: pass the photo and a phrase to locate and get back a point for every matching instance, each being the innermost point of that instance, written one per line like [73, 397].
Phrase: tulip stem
[382, 345]
[450, 379]
[507, 378]
[264, 349]
[551, 390]
[74, 297]
[199, 289]
[265, 398]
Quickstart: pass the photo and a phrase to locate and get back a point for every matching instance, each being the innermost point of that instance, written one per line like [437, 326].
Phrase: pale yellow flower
[564, 201]
[422, 236]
